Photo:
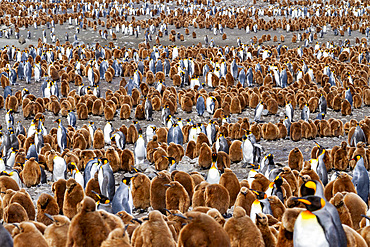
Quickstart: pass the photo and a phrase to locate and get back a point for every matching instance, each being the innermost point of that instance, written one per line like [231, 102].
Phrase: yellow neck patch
[307, 215]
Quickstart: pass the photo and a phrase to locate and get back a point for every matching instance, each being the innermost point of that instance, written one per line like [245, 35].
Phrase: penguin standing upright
[76, 174]
[211, 132]
[140, 149]
[108, 130]
[210, 102]
[92, 129]
[305, 114]
[177, 135]
[357, 136]
[315, 226]
[71, 118]
[122, 200]
[321, 167]
[348, 96]
[314, 187]
[61, 135]
[247, 151]
[361, 178]
[289, 111]
[148, 110]
[39, 140]
[213, 176]
[258, 112]
[59, 168]
[106, 179]
[200, 106]
[322, 104]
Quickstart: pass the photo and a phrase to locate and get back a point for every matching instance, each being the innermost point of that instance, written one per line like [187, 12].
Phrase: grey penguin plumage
[122, 200]
[360, 178]
[106, 179]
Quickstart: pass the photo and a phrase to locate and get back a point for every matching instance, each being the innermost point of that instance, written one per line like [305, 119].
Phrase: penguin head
[312, 203]
[104, 161]
[58, 121]
[126, 180]
[214, 158]
[308, 188]
[260, 194]
[357, 158]
[102, 199]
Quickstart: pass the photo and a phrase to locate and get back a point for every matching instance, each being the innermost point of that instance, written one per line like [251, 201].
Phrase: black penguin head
[308, 188]
[101, 198]
[260, 194]
[171, 160]
[214, 157]
[57, 121]
[126, 180]
[312, 203]
[104, 161]
[140, 131]
[357, 158]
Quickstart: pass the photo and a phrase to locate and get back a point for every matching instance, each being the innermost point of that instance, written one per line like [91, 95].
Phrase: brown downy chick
[56, 233]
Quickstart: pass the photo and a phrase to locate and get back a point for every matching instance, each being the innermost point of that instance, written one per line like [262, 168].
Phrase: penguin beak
[304, 201]
[137, 220]
[181, 216]
[258, 217]
[365, 216]
[49, 216]
[168, 185]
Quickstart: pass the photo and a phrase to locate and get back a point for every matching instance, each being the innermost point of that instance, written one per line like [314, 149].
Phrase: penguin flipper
[331, 232]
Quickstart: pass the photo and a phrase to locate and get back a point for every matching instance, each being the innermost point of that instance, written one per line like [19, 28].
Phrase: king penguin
[108, 130]
[92, 129]
[200, 106]
[76, 174]
[313, 187]
[120, 139]
[122, 200]
[213, 176]
[71, 118]
[321, 168]
[357, 136]
[59, 168]
[361, 178]
[258, 112]
[61, 135]
[322, 104]
[106, 179]
[140, 149]
[247, 151]
[305, 114]
[289, 111]
[315, 226]
[148, 110]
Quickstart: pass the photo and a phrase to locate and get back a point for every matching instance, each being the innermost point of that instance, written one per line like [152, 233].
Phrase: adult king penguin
[122, 200]
[61, 135]
[213, 176]
[315, 227]
[361, 178]
[140, 149]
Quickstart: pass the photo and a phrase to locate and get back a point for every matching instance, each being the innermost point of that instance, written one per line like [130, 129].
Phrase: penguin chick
[217, 196]
[158, 191]
[338, 202]
[140, 189]
[56, 233]
[242, 231]
[29, 234]
[185, 180]
[198, 196]
[59, 188]
[202, 230]
[73, 195]
[245, 199]
[31, 173]
[263, 226]
[215, 214]
[154, 232]
[231, 183]
[87, 228]
[176, 197]
[118, 237]
[46, 204]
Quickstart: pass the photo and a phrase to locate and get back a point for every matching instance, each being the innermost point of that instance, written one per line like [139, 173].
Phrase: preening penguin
[120, 139]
